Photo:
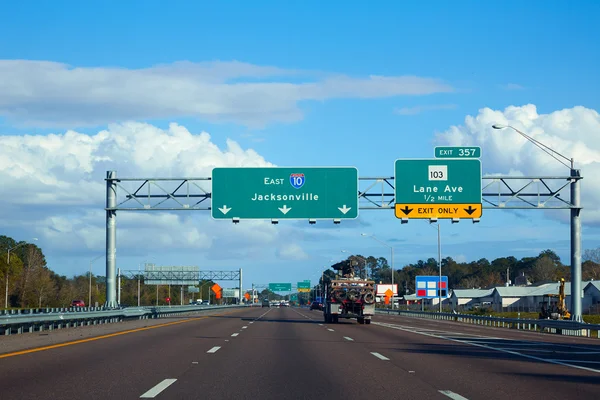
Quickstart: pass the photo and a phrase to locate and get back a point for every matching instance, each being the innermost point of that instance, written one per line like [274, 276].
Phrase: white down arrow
[224, 209]
[344, 209]
[284, 209]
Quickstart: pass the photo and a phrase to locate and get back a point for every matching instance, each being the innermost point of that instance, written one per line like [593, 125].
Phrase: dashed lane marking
[156, 390]
[448, 336]
[214, 349]
[234, 334]
[452, 395]
[380, 356]
[349, 338]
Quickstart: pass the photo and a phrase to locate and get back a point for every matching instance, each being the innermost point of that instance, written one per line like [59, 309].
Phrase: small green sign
[285, 193]
[280, 287]
[304, 285]
[458, 152]
[421, 181]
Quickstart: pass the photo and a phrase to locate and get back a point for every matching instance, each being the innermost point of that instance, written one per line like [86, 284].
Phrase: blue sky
[492, 54]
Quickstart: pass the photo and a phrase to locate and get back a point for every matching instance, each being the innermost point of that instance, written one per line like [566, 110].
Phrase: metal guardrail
[570, 328]
[21, 322]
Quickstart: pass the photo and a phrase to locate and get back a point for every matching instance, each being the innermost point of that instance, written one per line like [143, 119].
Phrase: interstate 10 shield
[297, 180]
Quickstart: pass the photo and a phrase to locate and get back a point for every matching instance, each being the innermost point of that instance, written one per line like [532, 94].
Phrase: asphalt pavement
[275, 353]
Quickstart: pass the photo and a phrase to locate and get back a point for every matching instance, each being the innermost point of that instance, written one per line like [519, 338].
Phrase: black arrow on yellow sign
[406, 210]
[470, 210]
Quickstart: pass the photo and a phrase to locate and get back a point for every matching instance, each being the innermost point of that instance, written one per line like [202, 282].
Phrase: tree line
[545, 267]
[32, 284]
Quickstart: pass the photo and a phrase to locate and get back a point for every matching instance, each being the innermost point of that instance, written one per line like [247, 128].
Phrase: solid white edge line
[492, 348]
[348, 338]
[380, 356]
[214, 349]
[152, 393]
[452, 395]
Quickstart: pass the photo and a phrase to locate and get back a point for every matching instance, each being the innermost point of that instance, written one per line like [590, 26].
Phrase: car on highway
[315, 305]
[266, 303]
[77, 303]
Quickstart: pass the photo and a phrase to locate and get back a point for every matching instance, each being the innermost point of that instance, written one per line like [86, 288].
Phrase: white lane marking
[214, 349]
[152, 393]
[320, 324]
[251, 322]
[349, 338]
[491, 348]
[452, 395]
[244, 327]
[380, 356]
[234, 334]
[330, 330]
[582, 361]
[194, 362]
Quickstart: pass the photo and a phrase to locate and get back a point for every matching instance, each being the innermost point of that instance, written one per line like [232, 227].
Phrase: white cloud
[57, 190]
[572, 132]
[43, 93]
[421, 109]
[291, 251]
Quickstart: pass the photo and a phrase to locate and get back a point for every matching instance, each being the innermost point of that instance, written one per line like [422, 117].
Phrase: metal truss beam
[375, 193]
[183, 275]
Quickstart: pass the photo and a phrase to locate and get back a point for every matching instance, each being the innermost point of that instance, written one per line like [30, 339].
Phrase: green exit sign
[280, 287]
[458, 152]
[285, 193]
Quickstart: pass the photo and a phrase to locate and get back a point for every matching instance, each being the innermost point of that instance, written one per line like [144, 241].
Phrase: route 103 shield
[297, 180]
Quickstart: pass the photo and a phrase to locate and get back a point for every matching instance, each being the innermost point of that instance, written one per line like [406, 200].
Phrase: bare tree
[470, 282]
[34, 259]
[543, 269]
[43, 285]
[592, 255]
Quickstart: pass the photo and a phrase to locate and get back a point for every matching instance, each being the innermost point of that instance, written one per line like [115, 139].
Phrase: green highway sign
[280, 287]
[457, 152]
[285, 193]
[304, 285]
[438, 188]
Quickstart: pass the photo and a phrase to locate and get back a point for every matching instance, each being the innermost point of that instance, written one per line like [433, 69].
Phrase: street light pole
[440, 265]
[90, 283]
[575, 224]
[392, 260]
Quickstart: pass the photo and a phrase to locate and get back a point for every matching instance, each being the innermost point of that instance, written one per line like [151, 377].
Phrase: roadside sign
[428, 287]
[304, 285]
[438, 188]
[216, 288]
[285, 193]
[280, 287]
[247, 296]
[381, 289]
[234, 293]
[457, 152]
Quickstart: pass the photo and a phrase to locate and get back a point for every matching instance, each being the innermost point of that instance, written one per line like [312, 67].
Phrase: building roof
[471, 293]
[595, 284]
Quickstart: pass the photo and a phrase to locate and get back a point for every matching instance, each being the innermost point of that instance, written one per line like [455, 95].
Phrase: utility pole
[440, 264]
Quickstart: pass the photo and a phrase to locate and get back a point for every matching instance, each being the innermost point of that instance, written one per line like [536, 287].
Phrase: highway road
[290, 353]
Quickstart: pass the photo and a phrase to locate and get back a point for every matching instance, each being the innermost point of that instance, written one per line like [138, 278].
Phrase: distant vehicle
[350, 297]
[266, 303]
[315, 305]
[77, 303]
